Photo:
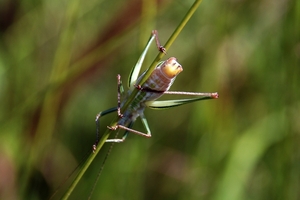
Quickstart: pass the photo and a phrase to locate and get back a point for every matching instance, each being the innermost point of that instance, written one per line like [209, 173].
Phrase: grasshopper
[154, 87]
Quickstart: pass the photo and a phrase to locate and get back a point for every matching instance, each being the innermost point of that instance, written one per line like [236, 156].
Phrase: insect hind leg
[124, 136]
[129, 129]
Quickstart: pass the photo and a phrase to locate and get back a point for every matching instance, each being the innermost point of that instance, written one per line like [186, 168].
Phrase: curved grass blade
[137, 68]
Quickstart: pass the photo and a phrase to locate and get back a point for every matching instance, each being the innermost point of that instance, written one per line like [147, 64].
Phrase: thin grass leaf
[137, 68]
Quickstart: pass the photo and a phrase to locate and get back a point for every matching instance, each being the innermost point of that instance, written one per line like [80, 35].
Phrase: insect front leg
[133, 76]
[97, 120]
[158, 45]
[120, 92]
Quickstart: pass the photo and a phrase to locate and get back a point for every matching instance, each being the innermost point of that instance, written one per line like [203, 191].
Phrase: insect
[158, 84]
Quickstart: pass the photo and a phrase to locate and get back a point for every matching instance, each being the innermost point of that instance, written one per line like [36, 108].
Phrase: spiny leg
[120, 91]
[129, 129]
[213, 95]
[159, 46]
[146, 89]
[100, 114]
[124, 136]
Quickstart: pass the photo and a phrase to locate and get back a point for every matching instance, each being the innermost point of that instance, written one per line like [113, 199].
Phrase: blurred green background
[58, 67]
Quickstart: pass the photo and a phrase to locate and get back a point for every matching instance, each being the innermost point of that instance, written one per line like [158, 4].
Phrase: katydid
[154, 87]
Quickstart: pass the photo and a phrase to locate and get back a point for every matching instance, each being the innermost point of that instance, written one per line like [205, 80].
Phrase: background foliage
[58, 67]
